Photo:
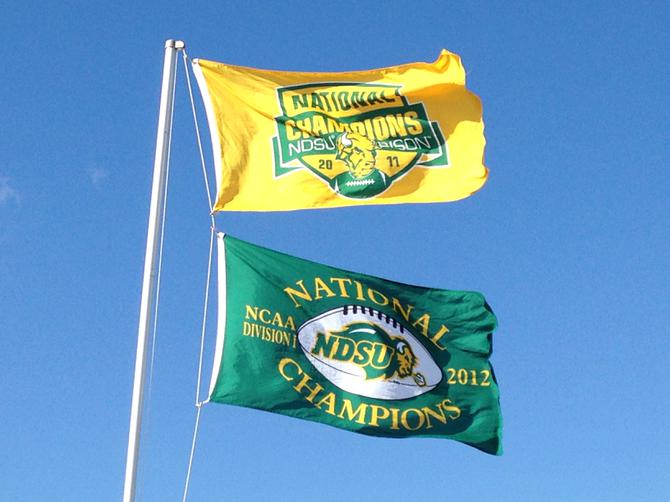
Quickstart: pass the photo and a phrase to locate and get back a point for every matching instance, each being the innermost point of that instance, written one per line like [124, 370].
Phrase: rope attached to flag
[198, 401]
[197, 135]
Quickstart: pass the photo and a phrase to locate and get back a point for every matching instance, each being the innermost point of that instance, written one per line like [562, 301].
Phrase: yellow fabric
[294, 140]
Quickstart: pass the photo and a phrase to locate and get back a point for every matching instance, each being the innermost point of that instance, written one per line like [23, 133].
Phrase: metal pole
[150, 260]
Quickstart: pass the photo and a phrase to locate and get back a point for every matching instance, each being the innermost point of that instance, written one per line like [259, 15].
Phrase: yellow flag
[295, 140]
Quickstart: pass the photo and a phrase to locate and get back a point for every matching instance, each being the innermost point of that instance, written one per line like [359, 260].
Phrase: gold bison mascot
[362, 180]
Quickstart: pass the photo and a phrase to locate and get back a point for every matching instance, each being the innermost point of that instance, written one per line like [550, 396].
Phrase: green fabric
[395, 361]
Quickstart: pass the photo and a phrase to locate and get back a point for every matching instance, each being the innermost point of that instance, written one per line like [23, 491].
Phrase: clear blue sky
[569, 241]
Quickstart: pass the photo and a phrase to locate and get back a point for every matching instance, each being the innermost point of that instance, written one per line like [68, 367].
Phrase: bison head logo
[406, 362]
[357, 152]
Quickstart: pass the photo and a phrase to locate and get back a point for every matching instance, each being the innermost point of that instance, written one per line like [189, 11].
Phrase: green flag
[354, 351]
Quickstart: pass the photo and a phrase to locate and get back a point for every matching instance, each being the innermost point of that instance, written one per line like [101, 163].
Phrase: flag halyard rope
[190, 458]
[198, 401]
[197, 134]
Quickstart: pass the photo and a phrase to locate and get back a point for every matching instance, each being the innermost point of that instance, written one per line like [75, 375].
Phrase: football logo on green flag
[365, 352]
[353, 351]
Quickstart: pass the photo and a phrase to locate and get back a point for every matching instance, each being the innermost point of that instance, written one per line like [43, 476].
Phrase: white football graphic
[369, 353]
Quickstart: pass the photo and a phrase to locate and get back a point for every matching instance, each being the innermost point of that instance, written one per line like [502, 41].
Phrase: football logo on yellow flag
[294, 140]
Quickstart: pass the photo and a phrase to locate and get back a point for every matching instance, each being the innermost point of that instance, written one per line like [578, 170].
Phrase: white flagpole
[150, 260]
